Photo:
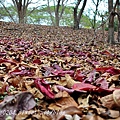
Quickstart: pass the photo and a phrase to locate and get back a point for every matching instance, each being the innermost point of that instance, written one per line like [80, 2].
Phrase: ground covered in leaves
[57, 73]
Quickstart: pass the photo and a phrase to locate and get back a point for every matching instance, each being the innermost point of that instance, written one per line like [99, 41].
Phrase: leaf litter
[56, 73]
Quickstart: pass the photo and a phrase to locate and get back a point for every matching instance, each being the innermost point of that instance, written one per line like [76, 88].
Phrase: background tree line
[64, 13]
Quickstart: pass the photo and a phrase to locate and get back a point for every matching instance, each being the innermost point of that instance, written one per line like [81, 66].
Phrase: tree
[6, 11]
[78, 15]
[118, 11]
[96, 3]
[111, 22]
[112, 12]
[21, 7]
[59, 7]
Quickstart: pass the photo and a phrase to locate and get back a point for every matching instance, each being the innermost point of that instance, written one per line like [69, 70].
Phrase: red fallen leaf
[2, 53]
[62, 73]
[113, 71]
[79, 76]
[21, 72]
[29, 53]
[88, 54]
[57, 67]
[91, 77]
[102, 82]
[94, 63]
[89, 87]
[103, 69]
[44, 87]
[42, 53]
[103, 91]
[19, 49]
[81, 53]
[37, 61]
[7, 61]
[62, 88]
[106, 53]
[83, 86]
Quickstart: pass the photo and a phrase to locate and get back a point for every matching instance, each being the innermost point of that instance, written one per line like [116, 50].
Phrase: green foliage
[85, 22]
[5, 15]
[41, 16]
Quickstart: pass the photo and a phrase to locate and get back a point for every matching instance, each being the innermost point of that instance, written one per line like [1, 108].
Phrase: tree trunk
[57, 13]
[81, 11]
[111, 23]
[76, 23]
[78, 16]
[95, 13]
[21, 6]
[111, 30]
[118, 21]
[21, 17]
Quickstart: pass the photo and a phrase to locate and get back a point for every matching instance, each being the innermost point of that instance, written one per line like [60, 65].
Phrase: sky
[88, 5]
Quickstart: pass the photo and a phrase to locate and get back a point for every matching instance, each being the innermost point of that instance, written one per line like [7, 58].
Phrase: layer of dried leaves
[56, 73]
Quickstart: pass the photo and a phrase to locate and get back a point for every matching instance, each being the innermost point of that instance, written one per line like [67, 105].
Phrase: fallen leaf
[63, 103]
[13, 104]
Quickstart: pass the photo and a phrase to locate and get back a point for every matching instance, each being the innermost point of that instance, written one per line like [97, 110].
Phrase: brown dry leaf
[32, 114]
[72, 110]
[63, 103]
[115, 119]
[24, 114]
[116, 98]
[6, 77]
[83, 102]
[28, 65]
[100, 110]
[92, 117]
[61, 94]
[36, 93]
[70, 81]
[15, 80]
[70, 117]
[68, 59]
[38, 73]
[113, 78]
[108, 101]
[40, 116]
[112, 100]
[3, 86]
[21, 116]
[62, 81]
[114, 114]
[108, 113]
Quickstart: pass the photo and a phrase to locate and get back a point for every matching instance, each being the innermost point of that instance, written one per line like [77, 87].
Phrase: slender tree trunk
[77, 16]
[81, 11]
[95, 13]
[76, 22]
[111, 23]
[118, 10]
[49, 11]
[57, 13]
[103, 28]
